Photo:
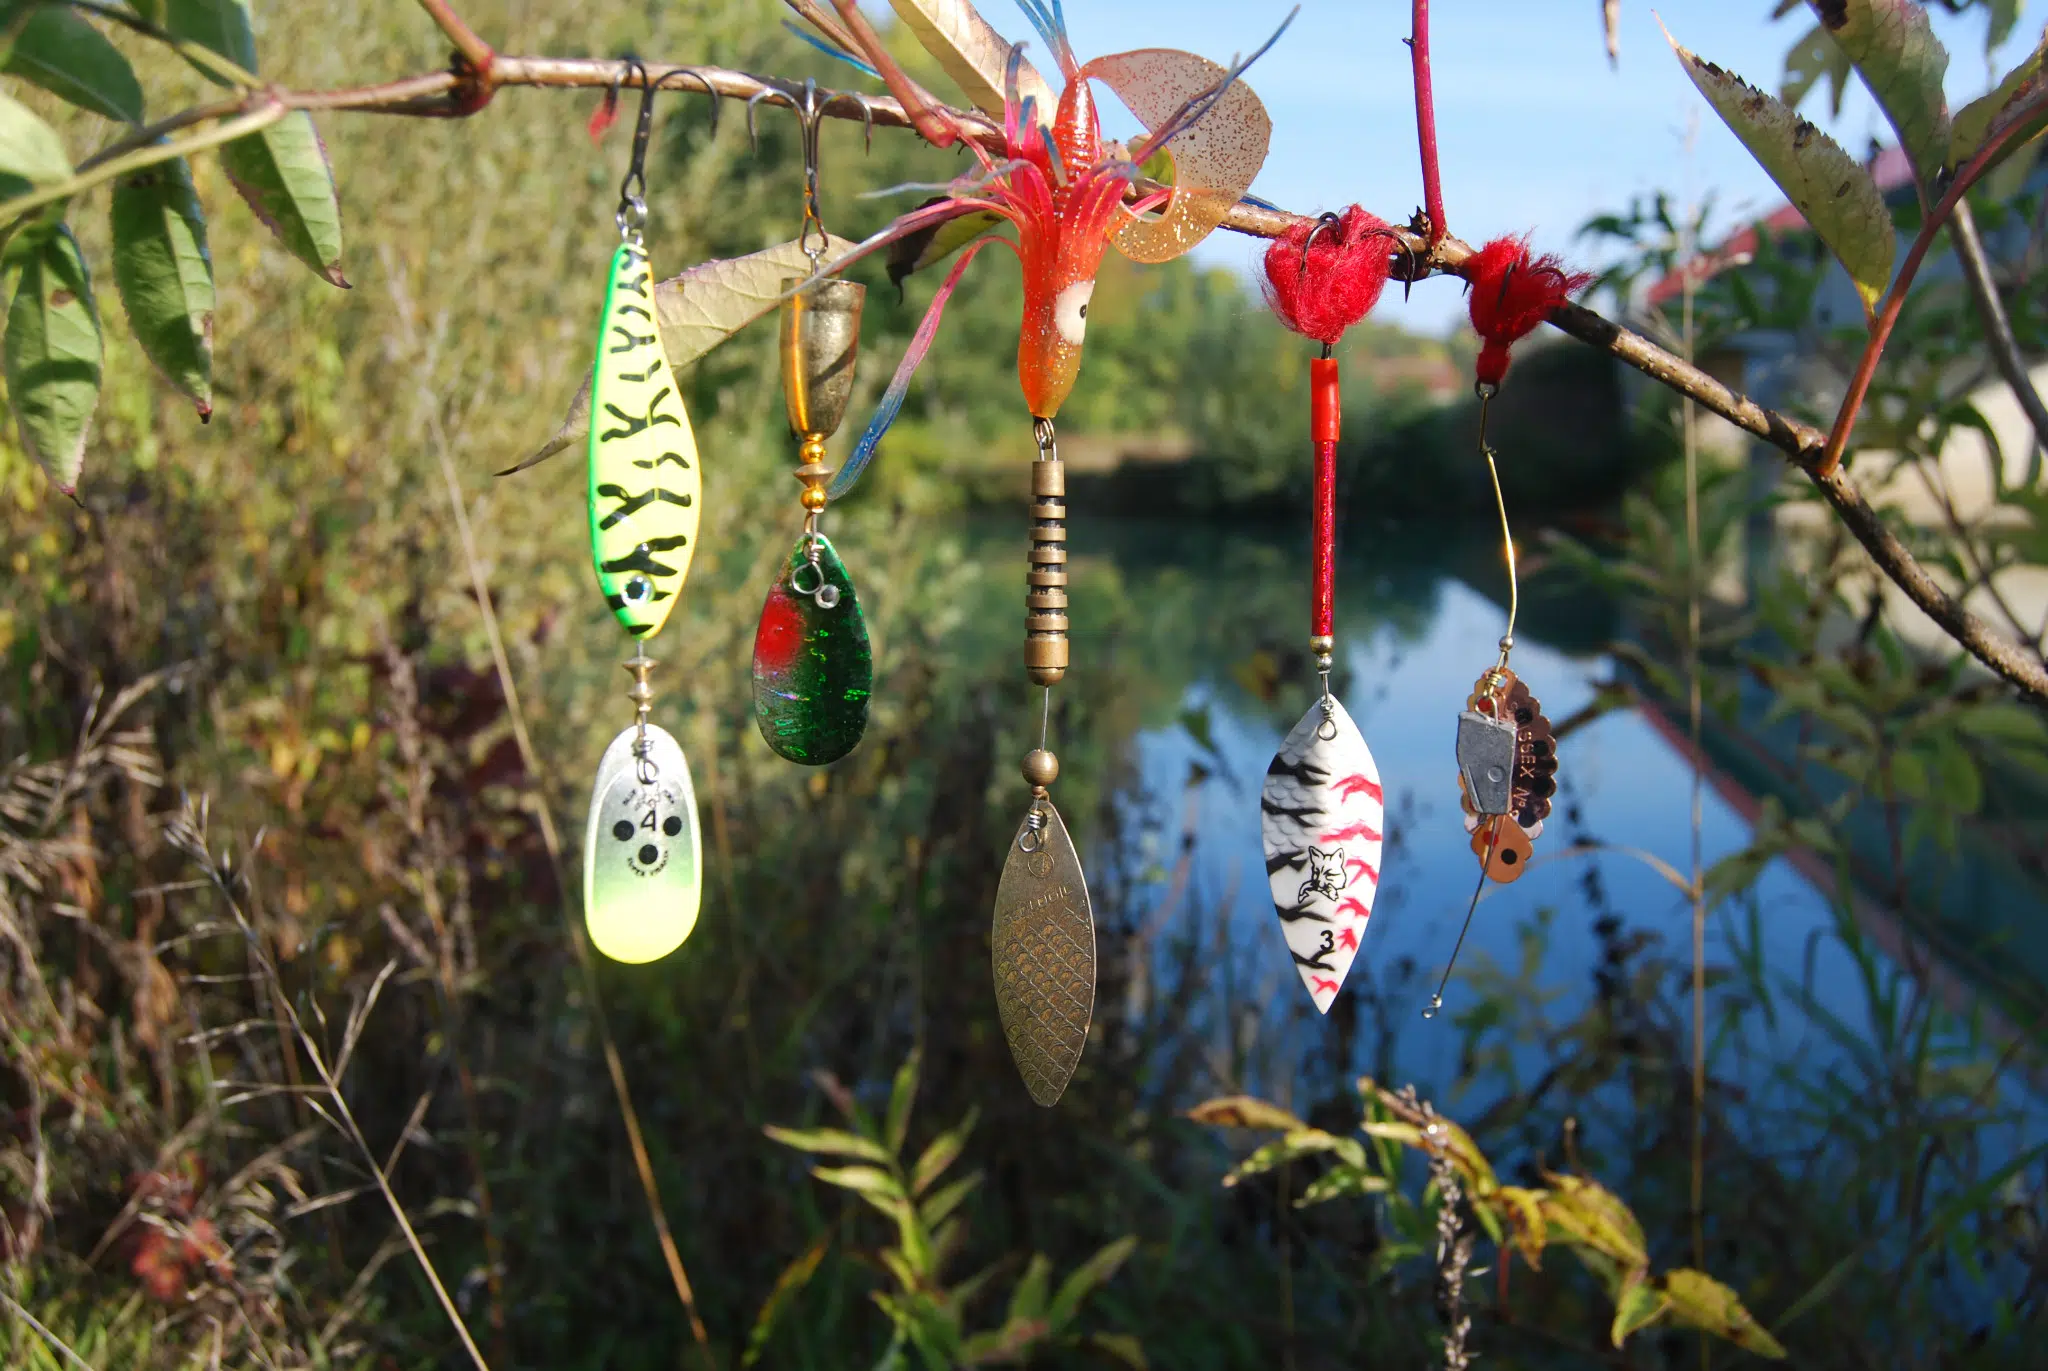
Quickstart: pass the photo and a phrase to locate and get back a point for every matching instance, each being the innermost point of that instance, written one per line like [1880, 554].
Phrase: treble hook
[1325, 220]
[632, 214]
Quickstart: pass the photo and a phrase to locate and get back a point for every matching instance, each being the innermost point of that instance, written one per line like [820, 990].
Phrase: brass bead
[813, 449]
[1322, 645]
[1040, 768]
[813, 498]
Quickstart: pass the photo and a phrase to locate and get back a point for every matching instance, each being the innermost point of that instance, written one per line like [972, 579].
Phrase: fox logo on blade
[1326, 874]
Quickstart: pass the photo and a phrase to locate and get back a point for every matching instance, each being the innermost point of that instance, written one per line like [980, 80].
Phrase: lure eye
[636, 588]
[1070, 311]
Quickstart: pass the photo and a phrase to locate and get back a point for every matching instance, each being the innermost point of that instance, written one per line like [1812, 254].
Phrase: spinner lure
[813, 667]
[1062, 190]
[1506, 750]
[1322, 810]
[642, 878]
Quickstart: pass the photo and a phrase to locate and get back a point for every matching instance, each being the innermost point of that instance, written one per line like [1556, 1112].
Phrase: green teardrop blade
[812, 665]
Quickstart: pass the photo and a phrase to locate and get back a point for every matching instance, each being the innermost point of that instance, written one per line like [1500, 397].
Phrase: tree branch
[2005, 349]
[474, 50]
[452, 93]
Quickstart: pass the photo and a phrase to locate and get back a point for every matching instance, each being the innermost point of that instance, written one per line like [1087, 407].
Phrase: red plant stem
[1325, 413]
[1881, 329]
[1425, 123]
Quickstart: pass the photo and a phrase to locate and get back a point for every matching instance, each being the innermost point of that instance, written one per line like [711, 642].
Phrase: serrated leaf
[30, 148]
[223, 26]
[1701, 1301]
[1342, 1182]
[829, 1141]
[1812, 58]
[1834, 193]
[1903, 63]
[282, 173]
[1244, 1111]
[58, 50]
[52, 356]
[972, 53]
[697, 311]
[1637, 1306]
[1973, 122]
[165, 276]
[1085, 1279]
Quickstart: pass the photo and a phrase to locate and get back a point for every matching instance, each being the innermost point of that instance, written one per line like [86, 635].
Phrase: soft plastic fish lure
[1062, 190]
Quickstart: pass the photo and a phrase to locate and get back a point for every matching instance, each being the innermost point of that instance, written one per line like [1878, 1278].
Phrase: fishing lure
[813, 667]
[1062, 190]
[642, 882]
[1322, 810]
[1506, 748]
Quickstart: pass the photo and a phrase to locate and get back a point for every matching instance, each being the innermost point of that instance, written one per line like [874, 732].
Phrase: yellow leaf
[972, 53]
[1242, 1111]
[1701, 1301]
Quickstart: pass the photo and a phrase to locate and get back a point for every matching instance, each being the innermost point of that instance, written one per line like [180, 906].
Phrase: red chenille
[1512, 293]
[1320, 289]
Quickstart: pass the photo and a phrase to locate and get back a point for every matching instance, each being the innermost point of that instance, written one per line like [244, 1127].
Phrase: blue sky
[1536, 131]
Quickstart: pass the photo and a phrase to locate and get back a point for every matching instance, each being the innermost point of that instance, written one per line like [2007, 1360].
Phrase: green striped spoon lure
[642, 868]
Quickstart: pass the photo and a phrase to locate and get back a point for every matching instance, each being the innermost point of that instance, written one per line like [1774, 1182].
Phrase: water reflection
[1412, 637]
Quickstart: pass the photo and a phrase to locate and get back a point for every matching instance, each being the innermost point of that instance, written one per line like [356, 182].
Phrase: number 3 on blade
[644, 482]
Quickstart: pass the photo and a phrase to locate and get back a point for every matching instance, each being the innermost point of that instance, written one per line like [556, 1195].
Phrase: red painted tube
[1325, 411]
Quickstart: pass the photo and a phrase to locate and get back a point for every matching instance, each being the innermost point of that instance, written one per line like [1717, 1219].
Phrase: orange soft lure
[1062, 190]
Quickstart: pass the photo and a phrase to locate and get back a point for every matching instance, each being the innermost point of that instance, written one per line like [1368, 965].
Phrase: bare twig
[474, 50]
[2005, 349]
[1988, 156]
[1425, 122]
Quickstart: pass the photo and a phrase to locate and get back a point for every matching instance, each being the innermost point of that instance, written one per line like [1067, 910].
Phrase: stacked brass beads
[1045, 639]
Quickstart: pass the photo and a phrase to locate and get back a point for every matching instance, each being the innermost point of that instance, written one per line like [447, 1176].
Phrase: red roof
[1889, 169]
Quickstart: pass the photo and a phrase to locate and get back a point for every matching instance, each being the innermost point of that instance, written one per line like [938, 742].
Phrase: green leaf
[914, 252]
[1973, 121]
[1813, 57]
[1005, 1345]
[901, 1095]
[1085, 1279]
[1523, 1209]
[1586, 1213]
[1826, 184]
[793, 1279]
[165, 276]
[1027, 1301]
[30, 148]
[1341, 1182]
[1638, 1305]
[223, 26]
[934, 1210]
[943, 1152]
[1302, 1142]
[53, 358]
[1122, 1346]
[1900, 59]
[1701, 1301]
[865, 1180]
[1242, 1111]
[835, 1142]
[282, 172]
[58, 50]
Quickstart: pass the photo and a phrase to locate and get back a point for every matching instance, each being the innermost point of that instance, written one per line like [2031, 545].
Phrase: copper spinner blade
[1043, 952]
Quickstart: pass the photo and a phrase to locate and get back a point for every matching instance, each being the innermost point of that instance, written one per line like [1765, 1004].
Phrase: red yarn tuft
[1323, 287]
[1511, 294]
[605, 115]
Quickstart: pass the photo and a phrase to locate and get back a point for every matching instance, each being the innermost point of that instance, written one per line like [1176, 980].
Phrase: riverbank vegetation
[289, 943]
